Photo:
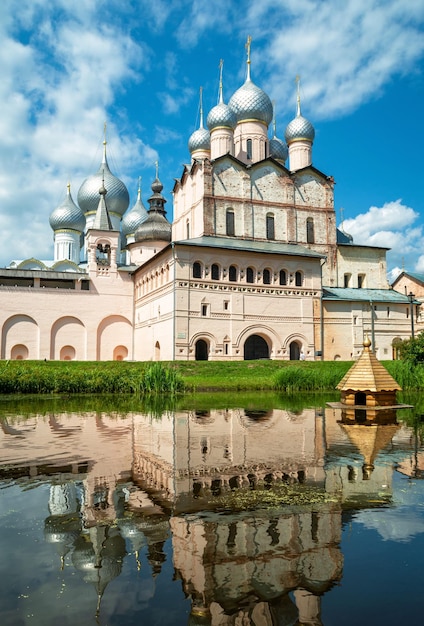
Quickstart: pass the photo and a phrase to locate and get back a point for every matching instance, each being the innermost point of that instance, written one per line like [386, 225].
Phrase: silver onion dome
[278, 149]
[199, 140]
[67, 215]
[251, 102]
[299, 128]
[135, 217]
[221, 115]
[117, 194]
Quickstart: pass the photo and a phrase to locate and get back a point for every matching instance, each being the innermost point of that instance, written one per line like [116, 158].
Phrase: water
[129, 518]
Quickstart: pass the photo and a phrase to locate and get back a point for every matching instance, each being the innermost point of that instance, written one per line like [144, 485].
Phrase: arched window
[298, 279]
[215, 272]
[103, 254]
[230, 228]
[249, 149]
[270, 227]
[232, 273]
[310, 235]
[266, 277]
[188, 229]
[197, 270]
[283, 277]
[250, 275]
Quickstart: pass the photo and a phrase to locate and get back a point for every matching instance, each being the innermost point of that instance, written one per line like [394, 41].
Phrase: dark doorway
[202, 350]
[255, 348]
[360, 397]
[294, 351]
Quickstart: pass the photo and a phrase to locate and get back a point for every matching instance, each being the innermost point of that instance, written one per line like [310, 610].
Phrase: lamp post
[411, 297]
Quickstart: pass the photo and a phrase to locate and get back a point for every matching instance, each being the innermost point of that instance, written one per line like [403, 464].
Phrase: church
[253, 265]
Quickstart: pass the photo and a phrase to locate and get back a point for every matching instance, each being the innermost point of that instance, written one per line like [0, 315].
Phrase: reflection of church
[252, 266]
[120, 488]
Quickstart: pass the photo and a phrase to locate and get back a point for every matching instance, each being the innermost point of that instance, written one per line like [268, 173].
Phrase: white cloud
[344, 56]
[390, 226]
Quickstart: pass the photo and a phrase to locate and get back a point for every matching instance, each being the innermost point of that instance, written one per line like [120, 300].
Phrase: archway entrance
[255, 347]
[360, 397]
[202, 350]
[294, 351]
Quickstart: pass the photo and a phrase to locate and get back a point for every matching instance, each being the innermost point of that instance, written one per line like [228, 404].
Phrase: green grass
[138, 378]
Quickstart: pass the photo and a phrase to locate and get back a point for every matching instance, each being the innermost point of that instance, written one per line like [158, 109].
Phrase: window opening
[270, 227]
[230, 227]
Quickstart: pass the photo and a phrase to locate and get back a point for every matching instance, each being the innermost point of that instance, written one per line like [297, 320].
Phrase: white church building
[252, 266]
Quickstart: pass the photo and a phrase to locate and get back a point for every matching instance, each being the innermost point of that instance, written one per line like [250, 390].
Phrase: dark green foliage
[412, 350]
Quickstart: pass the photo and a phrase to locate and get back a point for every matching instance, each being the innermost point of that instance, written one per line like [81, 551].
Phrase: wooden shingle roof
[368, 374]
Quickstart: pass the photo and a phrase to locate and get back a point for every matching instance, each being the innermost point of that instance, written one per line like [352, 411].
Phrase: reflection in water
[121, 488]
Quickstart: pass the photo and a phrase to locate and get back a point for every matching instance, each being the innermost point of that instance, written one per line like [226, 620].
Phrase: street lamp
[411, 297]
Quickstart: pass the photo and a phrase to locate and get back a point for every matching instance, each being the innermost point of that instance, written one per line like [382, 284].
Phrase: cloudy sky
[69, 67]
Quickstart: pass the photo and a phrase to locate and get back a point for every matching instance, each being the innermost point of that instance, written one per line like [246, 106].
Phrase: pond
[232, 516]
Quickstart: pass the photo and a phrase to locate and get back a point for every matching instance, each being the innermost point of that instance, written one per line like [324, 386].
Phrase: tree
[412, 350]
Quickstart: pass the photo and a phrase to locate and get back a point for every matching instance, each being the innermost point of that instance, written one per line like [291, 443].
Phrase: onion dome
[250, 102]
[136, 216]
[200, 139]
[156, 227]
[67, 215]
[299, 128]
[277, 148]
[221, 115]
[88, 194]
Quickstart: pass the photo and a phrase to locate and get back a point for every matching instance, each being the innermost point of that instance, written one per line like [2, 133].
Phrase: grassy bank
[112, 377]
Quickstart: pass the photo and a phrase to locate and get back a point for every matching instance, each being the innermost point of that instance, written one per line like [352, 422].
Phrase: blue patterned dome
[221, 115]
[278, 149]
[67, 215]
[135, 217]
[199, 140]
[251, 102]
[118, 198]
[299, 128]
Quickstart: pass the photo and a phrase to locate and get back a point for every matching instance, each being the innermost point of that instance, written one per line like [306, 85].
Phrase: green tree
[412, 350]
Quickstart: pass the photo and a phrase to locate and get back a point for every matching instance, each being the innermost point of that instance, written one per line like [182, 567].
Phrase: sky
[67, 68]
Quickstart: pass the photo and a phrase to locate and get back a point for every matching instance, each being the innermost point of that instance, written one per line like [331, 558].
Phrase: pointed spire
[102, 220]
[248, 44]
[220, 95]
[201, 107]
[297, 81]
[104, 160]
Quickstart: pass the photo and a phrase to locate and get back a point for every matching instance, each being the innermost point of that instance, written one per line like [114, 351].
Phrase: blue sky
[138, 65]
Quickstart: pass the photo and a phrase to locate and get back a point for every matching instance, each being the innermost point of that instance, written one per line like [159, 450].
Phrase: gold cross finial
[104, 133]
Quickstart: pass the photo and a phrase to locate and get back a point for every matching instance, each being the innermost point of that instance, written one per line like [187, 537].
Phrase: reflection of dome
[99, 559]
[67, 215]
[117, 193]
[63, 531]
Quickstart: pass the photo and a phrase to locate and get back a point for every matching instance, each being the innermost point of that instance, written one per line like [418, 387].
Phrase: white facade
[253, 265]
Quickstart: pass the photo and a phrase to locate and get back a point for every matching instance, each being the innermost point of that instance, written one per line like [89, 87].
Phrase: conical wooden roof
[368, 374]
